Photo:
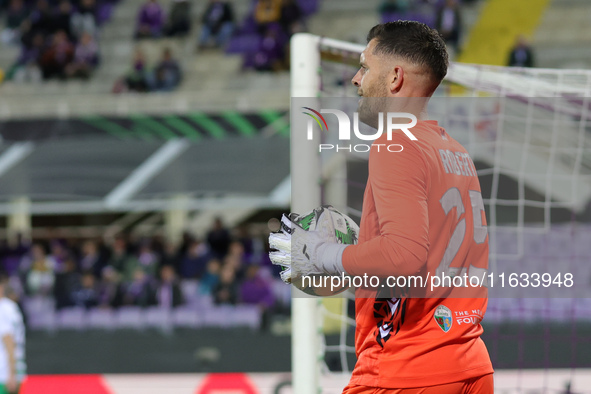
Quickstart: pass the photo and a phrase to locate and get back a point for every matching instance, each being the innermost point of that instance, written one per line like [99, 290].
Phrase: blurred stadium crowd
[225, 268]
[57, 39]
[61, 38]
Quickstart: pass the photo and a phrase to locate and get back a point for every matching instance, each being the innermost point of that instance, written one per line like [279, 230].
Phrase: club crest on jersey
[443, 317]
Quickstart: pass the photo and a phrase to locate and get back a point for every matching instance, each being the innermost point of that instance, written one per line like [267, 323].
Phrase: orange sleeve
[399, 183]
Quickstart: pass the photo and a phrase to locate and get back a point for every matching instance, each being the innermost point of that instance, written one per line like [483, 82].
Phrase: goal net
[529, 135]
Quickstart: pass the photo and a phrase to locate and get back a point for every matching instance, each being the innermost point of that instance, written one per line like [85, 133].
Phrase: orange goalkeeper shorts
[480, 385]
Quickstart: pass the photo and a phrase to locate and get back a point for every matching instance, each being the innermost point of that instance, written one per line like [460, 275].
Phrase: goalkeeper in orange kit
[422, 214]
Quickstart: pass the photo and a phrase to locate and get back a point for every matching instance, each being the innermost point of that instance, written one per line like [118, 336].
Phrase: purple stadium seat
[157, 317]
[247, 315]
[493, 312]
[204, 302]
[218, 316]
[562, 309]
[393, 16]
[281, 291]
[101, 318]
[248, 60]
[229, 316]
[249, 25]
[72, 318]
[130, 317]
[190, 290]
[308, 7]
[510, 309]
[187, 317]
[38, 304]
[426, 18]
[533, 244]
[43, 320]
[105, 10]
[247, 43]
[11, 264]
[534, 309]
[582, 309]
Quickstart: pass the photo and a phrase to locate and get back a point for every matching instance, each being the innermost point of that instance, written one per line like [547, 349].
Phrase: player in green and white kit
[12, 344]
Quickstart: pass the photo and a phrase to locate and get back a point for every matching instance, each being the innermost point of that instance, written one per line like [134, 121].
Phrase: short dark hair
[414, 42]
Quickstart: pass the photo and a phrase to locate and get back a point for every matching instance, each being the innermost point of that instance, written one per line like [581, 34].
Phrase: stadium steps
[562, 44]
[500, 22]
[117, 45]
[8, 55]
[353, 21]
[347, 20]
[213, 80]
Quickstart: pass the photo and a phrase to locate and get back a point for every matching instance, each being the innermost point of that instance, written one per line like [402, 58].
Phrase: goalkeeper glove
[304, 253]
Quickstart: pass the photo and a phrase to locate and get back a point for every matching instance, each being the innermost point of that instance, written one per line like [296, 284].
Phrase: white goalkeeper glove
[303, 253]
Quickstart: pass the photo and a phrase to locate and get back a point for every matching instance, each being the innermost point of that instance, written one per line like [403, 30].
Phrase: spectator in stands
[267, 13]
[194, 262]
[256, 290]
[211, 277]
[12, 255]
[219, 239]
[167, 74]
[140, 291]
[252, 248]
[218, 24]
[169, 293]
[291, 17]
[148, 260]
[39, 273]
[136, 79]
[179, 19]
[63, 20]
[186, 240]
[170, 256]
[59, 254]
[109, 292]
[150, 20]
[226, 291]
[86, 295]
[85, 58]
[55, 58]
[449, 23]
[65, 284]
[521, 55]
[15, 17]
[236, 249]
[26, 68]
[41, 19]
[271, 53]
[90, 259]
[234, 259]
[121, 261]
[84, 19]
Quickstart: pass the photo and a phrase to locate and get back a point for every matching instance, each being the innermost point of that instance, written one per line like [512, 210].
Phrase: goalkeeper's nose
[356, 81]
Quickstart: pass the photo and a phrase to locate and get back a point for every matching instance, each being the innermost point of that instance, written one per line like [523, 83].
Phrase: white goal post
[307, 349]
[305, 340]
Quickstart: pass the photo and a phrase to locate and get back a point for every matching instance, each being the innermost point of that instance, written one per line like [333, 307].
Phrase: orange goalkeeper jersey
[422, 215]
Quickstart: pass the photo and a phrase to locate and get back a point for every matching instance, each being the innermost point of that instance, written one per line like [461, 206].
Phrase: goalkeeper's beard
[371, 104]
[370, 110]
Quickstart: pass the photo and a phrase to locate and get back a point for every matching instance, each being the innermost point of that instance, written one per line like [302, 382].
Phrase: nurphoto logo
[392, 120]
